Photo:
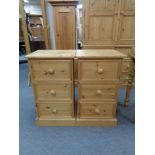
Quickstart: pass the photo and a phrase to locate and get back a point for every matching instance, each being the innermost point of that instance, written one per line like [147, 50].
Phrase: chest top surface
[52, 54]
[99, 53]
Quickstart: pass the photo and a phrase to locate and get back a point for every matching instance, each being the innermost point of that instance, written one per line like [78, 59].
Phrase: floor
[36, 140]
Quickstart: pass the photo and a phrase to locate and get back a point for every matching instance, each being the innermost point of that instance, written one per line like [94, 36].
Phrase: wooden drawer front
[54, 110]
[54, 91]
[126, 65]
[51, 69]
[97, 91]
[96, 110]
[98, 69]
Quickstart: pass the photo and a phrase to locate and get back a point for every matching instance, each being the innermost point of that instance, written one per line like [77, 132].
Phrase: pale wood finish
[39, 54]
[64, 23]
[110, 122]
[97, 94]
[100, 69]
[24, 27]
[98, 84]
[99, 53]
[65, 32]
[45, 25]
[54, 92]
[54, 110]
[52, 70]
[97, 110]
[97, 91]
[108, 22]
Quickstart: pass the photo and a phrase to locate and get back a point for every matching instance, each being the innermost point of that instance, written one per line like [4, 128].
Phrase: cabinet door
[100, 21]
[126, 29]
[64, 27]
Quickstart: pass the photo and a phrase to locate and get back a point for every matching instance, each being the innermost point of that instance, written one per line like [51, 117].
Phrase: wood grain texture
[52, 54]
[53, 76]
[108, 22]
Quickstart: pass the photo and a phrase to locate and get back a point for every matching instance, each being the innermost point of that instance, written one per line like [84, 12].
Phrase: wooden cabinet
[64, 23]
[98, 85]
[53, 80]
[108, 22]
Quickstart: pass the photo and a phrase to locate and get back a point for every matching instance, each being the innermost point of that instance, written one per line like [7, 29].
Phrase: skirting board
[77, 122]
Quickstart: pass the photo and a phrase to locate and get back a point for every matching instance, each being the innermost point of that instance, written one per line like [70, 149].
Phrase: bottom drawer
[97, 110]
[54, 110]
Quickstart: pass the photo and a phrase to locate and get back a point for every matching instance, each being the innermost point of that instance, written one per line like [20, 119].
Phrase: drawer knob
[100, 70]
[99, 92]
[53, 92]
[51, 71]
[97, 111]
[54, 111]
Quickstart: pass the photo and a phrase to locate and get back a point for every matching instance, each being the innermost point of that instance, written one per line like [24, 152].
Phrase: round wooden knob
[100, 70]
[99, 92]
[53, 92]
[54, 111]
[97, 110]
[51, 71]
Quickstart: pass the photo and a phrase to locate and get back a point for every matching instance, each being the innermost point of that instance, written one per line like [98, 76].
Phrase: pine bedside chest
[96, 73]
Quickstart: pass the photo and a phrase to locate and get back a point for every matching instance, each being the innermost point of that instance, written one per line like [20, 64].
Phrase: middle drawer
[97, 91]
[54, 91]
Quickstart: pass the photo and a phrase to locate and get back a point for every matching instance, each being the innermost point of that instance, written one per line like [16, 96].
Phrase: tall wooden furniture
[53, 77]
[110, 24]
[64, 23]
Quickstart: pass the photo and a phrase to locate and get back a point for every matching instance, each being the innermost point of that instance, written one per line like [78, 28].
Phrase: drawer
[126, 65]
[98, 91]
[96, 110]
[54, 110]
[54, 91]
[51, 69]
[98, 69]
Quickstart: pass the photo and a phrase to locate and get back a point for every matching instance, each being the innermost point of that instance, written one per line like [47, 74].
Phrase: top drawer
[51, 69]
[99, 69]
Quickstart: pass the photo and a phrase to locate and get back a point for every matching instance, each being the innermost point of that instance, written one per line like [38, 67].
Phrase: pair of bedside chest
[56, 73]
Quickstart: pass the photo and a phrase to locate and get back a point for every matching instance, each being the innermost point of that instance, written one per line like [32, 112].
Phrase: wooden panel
[128, 5]
[54, 110]
[65, 27]
[97, 92]
[102, 5]
[100, 22]
[101, 28]
[51, 69]
[98, 69]
[108, 22]
[54, 91]
[126, 29]
[97, 110]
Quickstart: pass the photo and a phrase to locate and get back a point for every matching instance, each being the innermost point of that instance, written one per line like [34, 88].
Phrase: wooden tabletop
[99, 53]
[52, 54]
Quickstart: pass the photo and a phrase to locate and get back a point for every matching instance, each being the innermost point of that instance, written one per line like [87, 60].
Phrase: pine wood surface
[98, 74]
